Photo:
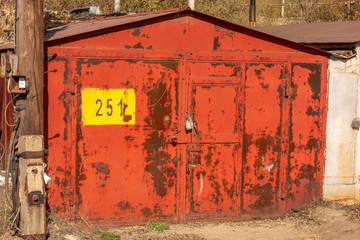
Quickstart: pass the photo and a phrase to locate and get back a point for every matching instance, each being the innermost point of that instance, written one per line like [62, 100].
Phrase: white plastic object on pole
[191, 4]
[116, 5]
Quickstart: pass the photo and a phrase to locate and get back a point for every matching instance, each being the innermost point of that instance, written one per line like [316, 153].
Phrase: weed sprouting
[158, 226]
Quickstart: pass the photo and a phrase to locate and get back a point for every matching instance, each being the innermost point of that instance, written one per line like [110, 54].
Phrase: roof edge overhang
[326, 46]
[6, 47]
[178, 12]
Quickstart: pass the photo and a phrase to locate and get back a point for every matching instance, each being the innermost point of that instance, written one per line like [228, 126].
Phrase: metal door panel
[303, 159]
[216, 112]
[262, 139]
[58, 135]
[129, 172]
[212, 179]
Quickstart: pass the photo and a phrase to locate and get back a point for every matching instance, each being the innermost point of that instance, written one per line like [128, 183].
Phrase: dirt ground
[322, 220]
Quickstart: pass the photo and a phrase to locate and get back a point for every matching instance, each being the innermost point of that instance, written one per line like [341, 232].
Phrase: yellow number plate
[108, 106]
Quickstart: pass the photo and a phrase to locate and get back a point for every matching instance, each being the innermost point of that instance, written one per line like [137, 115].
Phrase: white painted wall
[342, 160]
[357, 152]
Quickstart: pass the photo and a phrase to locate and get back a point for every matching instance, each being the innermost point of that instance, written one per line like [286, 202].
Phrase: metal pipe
[8, 162]
[191, 4]
[283, 8]
[117, 6]
[252, 13]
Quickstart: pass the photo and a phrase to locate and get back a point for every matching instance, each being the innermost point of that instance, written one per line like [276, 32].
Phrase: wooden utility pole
[30, 51]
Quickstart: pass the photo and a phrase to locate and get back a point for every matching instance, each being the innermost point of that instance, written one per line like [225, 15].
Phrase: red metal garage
[177, 116]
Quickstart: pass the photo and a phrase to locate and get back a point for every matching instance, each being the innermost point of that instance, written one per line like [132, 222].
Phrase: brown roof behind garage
[78, 28]
[315, 33]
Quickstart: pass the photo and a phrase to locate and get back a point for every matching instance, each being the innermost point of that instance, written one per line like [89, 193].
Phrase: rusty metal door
[212, 162]
[264, 138]
[304, 168]
[126, 169]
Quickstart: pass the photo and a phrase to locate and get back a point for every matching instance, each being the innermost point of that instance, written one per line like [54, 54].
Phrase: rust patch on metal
[263, 144]
[314, 79]
[307, 171]
[146, 212]
[138, 46]
[78, 138]
[265, 194]
[157, 156]
[230, 191]
[124, 205]
[216, 43]
[230, 33]
[311, 112]
[91, 62]
[101, 168]
[293, 91]
[57, 181]
[157, 159]
[127, 118]
[136, 31]
[82, 177]
[129, 138]
[173, 65]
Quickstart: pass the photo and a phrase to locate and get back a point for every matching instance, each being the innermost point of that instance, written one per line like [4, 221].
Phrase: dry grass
[309, 214]
[352, 211]
[308, 217]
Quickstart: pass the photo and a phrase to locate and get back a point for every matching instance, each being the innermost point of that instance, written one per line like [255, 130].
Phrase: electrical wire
[152, 105]
[9, 154]
[2, 152]
[10, 157]
[176, 132]
[16, 216]
[5, 113]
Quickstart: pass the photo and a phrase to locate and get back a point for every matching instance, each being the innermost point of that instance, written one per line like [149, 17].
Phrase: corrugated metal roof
[320, 33]
[86, 27]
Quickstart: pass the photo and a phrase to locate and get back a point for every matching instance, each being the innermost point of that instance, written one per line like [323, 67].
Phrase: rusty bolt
[35, 198]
